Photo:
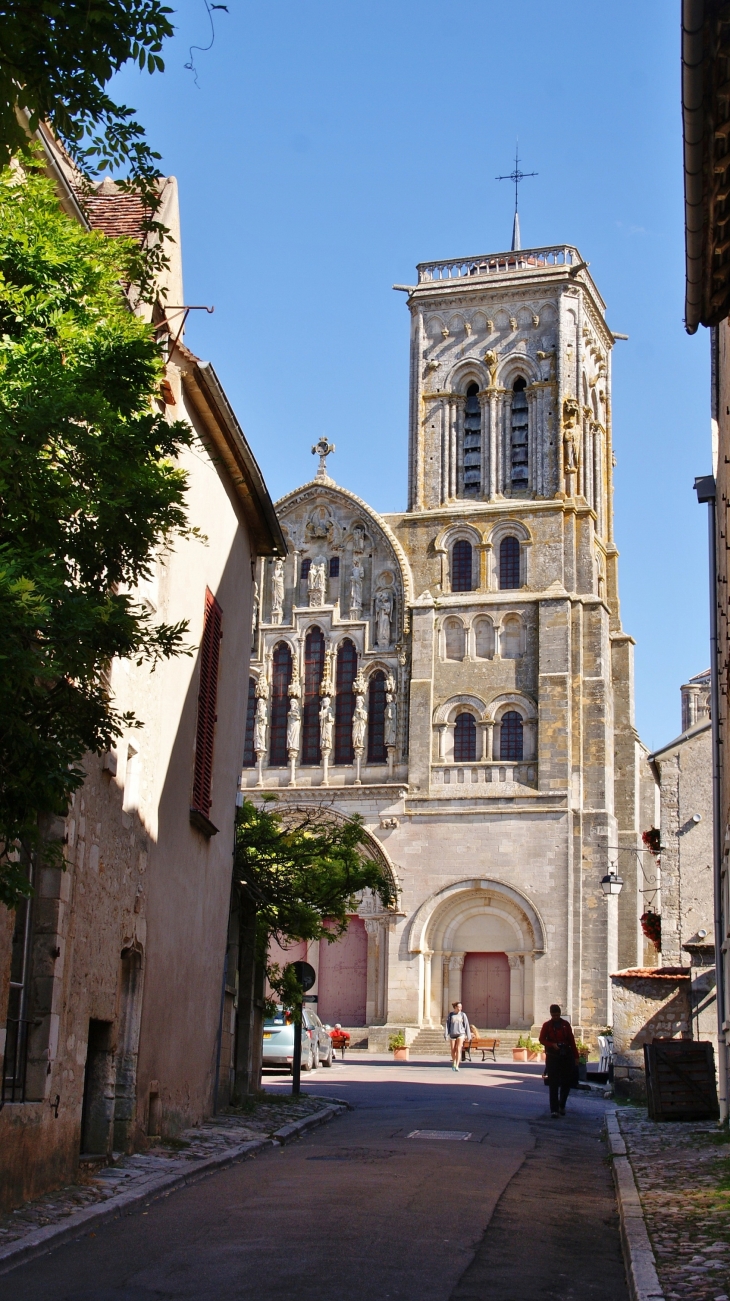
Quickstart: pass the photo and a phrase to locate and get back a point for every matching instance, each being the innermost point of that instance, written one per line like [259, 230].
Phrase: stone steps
[430, 1041]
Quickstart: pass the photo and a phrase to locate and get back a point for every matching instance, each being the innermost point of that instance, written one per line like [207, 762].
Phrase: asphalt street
[366, 1207]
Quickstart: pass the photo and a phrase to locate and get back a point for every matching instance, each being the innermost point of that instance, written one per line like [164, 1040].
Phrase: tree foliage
[57, 56]
[89, 490]
[300, 870]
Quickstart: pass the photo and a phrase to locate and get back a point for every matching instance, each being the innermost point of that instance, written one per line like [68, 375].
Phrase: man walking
[457, 1030]
[561, 1059]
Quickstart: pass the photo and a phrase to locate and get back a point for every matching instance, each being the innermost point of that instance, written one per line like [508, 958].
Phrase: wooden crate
[680, 1080]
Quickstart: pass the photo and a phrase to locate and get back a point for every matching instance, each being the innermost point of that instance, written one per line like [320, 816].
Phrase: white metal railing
[497, 263]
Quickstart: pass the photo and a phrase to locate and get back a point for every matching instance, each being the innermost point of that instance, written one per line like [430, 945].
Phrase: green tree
[297, 875]
[89, 490]
[57, 56]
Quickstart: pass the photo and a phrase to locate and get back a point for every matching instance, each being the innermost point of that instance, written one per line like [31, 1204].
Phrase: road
[521, 1210]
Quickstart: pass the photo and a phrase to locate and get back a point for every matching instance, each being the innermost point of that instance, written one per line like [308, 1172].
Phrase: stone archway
[476, 916]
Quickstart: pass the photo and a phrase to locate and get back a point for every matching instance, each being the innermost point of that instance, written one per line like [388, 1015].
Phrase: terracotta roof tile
[115, 212]
[656, 973]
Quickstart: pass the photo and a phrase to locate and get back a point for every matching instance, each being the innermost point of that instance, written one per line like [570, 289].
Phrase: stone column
[516, 991]
[487, 739]
[485, 443]
[456, 966]
[426, 1013]
[445, 989]
[532, 457]
[372, 928]
[491, 434]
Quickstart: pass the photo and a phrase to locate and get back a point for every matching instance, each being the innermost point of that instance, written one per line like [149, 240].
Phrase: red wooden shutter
[207, 701]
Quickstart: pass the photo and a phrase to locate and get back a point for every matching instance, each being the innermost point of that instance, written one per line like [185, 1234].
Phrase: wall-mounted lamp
[612, 883]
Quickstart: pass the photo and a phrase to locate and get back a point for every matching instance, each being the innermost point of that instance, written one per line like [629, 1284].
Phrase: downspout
[705, 489]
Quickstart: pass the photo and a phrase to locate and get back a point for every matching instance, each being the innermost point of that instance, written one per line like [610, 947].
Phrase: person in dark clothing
[561, 1059]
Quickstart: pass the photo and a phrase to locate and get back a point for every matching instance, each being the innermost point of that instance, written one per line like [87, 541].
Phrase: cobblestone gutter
[122, 1186]
[682, 1173]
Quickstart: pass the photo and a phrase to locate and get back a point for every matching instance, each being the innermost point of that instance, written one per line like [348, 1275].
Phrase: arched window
[510, 637]
[454, 640]
[465, 739]
[376, 719]
[461, 566]
[281, 670]
[509, 562]
[345, 702]
[472, 443]
[249, 758]
[313, 668]
[519, 434]
[484, 639]
[510, 736]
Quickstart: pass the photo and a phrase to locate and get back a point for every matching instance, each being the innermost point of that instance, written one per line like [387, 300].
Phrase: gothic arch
[512, 700]
[464, 373]
[510, 526]
[514, 365]
[371, 847]
[448, 907]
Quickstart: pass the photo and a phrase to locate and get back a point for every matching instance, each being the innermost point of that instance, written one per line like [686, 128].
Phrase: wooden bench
[481, 1045]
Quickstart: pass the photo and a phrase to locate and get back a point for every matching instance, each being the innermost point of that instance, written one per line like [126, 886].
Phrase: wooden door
[485, 990]
[343, 976]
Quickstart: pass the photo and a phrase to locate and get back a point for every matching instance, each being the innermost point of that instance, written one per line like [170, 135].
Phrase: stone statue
[277, 591]
[359, 725]
[383, 615]
[293, 727]
[358, 539]
[570, 451]
[490, 360]
[356, 577]
[326, 724]
[317, 582]
[391, 713]
[327, 685]
[259, 726]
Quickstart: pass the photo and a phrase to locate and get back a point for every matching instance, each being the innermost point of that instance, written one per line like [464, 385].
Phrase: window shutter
[207, 703]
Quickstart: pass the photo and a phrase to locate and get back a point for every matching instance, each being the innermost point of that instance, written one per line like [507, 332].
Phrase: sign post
[306, 976]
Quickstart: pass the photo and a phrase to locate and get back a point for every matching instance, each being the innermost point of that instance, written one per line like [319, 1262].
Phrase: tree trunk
[248, 1052]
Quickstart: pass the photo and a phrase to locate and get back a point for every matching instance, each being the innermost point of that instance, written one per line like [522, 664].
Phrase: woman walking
[561, 1059]
[457, 1030]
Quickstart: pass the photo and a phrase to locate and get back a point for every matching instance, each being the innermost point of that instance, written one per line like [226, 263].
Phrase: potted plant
[534, 1050]
[583, 1052]
[397, 1045]
[519, 1053]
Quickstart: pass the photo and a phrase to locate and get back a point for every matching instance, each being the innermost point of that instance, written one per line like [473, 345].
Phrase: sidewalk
[682, 1173]
[120, 1187]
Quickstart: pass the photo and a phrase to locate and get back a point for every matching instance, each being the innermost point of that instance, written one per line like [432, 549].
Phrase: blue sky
[329, 147]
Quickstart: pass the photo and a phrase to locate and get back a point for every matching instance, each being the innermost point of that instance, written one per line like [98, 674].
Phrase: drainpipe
[705, 489]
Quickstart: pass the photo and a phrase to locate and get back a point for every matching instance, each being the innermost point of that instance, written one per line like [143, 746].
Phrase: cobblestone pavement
[682, 1172]
[127, 1172]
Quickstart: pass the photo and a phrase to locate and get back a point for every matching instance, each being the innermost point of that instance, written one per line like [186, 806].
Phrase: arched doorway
[478, 941]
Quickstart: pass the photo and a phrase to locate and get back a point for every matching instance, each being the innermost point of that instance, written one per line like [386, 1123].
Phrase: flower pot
[582, 1070]
[533, 1057]
[400, 1054]
[519, 1054]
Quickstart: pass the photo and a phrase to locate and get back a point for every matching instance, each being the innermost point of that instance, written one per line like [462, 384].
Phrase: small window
[510, 736]
[462, 567]
[281, 675]
[484, 639]
[454, 640]
[465, 739]
[207, 704]
[334, 567]
[306, 566]
[345, 702]
[313, 670]
[472, 443]
[510, 647]
[509, 562]
[519, 470]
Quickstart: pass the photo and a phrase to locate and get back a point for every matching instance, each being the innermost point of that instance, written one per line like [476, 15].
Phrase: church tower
[457, 673]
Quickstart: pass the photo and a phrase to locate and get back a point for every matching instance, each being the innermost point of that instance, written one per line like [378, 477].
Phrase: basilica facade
[458, 675]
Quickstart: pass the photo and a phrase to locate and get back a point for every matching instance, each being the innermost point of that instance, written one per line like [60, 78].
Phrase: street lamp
[612, 883]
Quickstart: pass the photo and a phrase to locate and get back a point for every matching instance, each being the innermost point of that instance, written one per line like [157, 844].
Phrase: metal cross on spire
[322, 449]
[516, 175]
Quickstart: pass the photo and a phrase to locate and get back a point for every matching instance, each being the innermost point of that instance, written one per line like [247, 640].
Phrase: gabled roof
[705, 725]
[114, 211]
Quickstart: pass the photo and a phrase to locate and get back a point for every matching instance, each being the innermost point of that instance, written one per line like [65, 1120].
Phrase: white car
[279, 1041]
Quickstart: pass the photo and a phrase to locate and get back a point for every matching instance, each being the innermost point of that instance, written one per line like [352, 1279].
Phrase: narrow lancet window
[377, 752]
[509, 562]
[345, 702]
[313, 668]
[519, 435]
[510, 736]
[472, 443]
[249, 757]
[462, 566]
[281, 674]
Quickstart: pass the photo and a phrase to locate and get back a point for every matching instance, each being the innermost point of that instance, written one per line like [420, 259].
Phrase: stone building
[457, 673]
[111, 978]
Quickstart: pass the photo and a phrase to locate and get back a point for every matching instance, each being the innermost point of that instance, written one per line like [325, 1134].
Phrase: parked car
[279, 1041]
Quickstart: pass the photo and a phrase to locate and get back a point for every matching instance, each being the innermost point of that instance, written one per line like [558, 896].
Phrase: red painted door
[343, 975]
[485, 990]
